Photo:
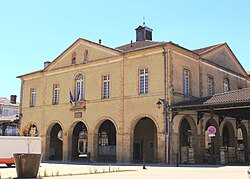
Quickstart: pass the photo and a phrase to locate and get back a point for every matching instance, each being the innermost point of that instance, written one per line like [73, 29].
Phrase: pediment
[224, 57]
[78, 49]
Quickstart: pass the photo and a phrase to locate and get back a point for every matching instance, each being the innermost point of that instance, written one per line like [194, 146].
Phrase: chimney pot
[46, 63]
[13, 99]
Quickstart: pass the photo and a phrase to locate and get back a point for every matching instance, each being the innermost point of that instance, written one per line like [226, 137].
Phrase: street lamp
[159, 104]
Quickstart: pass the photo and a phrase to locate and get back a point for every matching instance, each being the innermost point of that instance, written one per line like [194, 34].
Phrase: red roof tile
[205, 49]
[241, 95]
[138, 45]
[6, 102]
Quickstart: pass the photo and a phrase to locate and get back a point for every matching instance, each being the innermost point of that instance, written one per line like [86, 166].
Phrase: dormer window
[73, 58]
[86, 56]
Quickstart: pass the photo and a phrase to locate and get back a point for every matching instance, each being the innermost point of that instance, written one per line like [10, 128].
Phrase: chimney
[46, 63]
[143, 33]
[13, 99]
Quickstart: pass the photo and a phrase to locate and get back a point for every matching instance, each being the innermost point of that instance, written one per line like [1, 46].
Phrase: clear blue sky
[33, 31]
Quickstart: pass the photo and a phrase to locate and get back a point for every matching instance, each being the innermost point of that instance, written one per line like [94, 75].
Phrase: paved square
[96, 171]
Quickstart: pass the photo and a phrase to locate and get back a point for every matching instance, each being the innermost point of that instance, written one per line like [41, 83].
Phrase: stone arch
[144, 145]
[54, 141]
[52, 123]
[106, 139]
[187, 139]
[101, 120]
[139, 117]
[212, 144]
[242, 143]
[71, 128]
[76, 74]
[78, 141]
[31, 129]
[228, 134]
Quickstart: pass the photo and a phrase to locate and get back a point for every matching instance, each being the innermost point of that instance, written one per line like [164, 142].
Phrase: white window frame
[186, 82]
[105, 86]
[79, 82]
[143, 81]
[32, 97]
[210, 85]
[56, 93]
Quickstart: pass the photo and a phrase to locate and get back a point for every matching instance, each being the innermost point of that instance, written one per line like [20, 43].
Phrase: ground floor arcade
[189, 141]
[106, 143]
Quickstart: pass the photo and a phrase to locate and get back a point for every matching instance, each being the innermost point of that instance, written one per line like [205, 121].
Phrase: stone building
[9, 110]
[107, 104]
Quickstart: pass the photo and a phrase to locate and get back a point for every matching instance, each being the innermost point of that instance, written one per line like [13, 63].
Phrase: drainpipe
[166, 123]
[20, 104]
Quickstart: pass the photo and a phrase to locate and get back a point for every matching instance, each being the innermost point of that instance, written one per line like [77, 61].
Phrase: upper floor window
[210, 86]
[56, 92]
[186, 83]
[73, 60]
[143, 81]
[105, 86]
[79, 87]
[86, 56]
[226, 86]
[32, 97]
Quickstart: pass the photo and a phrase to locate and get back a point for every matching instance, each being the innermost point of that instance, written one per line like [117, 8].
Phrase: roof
[234, 104]
[138, 45]
[231, 97]
[6, 102]
[8, 119]
[206, 49]
[241, 95]
[248, 72]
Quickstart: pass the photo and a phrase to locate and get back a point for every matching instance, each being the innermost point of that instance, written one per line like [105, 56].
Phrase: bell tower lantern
[143, 33]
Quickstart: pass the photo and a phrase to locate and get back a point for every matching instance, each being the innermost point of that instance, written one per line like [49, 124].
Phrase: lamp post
[159, 104]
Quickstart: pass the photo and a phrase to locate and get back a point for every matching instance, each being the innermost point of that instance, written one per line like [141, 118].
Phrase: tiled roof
[205, 49]
[6, 102]
[7, 119]
[138, 45]
[242, 95]
[231, 97]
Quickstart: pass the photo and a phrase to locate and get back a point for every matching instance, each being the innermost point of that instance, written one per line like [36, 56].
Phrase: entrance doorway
[80, 142]
[56, 143]
[186, 134]
[228, 142]
[145, 141]
[138, 152]
[107, 142]
[242, 144]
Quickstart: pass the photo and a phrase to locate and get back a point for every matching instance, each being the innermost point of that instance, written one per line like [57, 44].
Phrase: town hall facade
[129, 104]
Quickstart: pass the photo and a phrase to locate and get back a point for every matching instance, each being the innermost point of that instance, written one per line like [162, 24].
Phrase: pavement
[131, 171]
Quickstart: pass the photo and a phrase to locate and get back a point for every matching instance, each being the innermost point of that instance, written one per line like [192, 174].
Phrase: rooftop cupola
[143, 33]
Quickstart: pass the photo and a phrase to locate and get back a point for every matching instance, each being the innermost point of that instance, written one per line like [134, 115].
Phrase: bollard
[144, 162]
[177, 160]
